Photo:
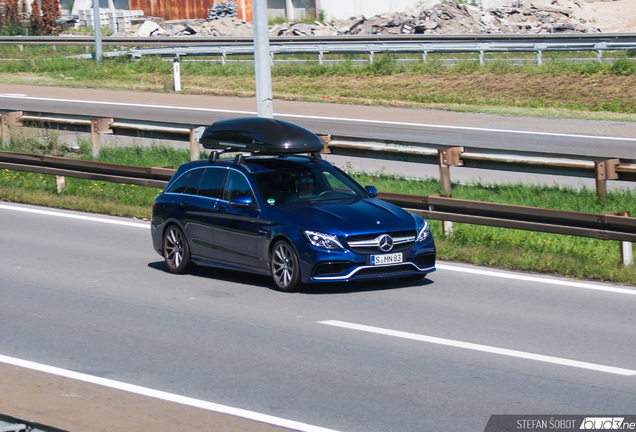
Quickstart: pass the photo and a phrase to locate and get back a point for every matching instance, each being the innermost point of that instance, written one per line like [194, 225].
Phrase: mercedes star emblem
[385, 243]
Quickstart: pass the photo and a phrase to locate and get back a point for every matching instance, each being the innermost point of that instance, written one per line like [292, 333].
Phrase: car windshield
[306, 184]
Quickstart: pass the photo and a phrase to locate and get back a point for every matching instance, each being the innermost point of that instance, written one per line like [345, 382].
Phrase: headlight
[322, 240]
[424, 233]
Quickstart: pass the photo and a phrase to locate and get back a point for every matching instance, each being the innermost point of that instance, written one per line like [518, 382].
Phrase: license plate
[385, 259]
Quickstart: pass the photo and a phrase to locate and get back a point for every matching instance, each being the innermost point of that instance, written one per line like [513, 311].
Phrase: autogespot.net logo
[606, 423]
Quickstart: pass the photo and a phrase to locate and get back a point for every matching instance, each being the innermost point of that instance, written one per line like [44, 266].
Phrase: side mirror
[372, 190]
[241, 202]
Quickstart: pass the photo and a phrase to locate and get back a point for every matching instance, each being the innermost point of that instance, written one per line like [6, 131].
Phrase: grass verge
[575, 257]
[598, 90]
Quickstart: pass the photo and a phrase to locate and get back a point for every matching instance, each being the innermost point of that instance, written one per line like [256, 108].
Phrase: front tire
[175, 250]
[285, 268]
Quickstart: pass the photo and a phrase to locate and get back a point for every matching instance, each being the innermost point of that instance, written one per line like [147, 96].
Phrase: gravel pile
[222, 10]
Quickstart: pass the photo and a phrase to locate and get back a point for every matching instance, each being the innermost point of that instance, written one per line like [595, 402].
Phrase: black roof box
[260, 135]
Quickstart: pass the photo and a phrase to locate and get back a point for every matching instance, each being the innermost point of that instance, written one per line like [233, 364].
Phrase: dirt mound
[610, 17]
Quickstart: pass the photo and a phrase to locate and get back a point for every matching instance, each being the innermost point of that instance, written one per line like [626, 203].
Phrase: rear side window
[193, 185]
[237, 186]
[191, 178]
[212, 183]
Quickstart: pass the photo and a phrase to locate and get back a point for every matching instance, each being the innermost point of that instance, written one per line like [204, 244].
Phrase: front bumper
[318, 265]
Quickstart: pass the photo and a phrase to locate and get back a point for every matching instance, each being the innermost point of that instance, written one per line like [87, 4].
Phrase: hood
[354, 216]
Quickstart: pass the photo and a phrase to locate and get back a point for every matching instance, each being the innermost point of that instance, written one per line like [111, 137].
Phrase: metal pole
[289, 8]
[98, 32]
[262, 60]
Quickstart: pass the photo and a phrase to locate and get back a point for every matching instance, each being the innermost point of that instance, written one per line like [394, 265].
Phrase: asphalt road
[92, 296]
[559, 136]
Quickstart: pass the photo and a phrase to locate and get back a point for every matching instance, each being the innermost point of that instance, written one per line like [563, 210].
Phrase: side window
[181, 184]
[336, 184]
[193, 185]
[212, 182]
[237, 186]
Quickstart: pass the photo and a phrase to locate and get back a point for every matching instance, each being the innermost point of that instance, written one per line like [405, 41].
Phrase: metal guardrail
[368, 44]
[600, 168]
[16, 424]
[99, 171]
[220, 40]
[610, 226]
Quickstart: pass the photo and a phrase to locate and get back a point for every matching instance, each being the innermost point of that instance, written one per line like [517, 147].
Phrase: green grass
[575, 257]
[598, 90]
[101, 197]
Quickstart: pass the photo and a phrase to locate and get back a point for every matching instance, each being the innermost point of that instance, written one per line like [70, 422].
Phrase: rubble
[432, 17]
[222, 10]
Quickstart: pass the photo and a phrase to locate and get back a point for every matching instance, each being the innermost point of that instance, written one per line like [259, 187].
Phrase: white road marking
[440, 266]
[536, 279]
[482, 348]
[488, 273]
[158, 394]
[75, 216]
[309, 117]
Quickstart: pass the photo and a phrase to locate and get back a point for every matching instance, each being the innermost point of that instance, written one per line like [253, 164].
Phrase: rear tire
[175, 250]
[284, 267]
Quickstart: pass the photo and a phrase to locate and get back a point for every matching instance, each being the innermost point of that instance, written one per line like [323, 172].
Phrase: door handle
[184, 203]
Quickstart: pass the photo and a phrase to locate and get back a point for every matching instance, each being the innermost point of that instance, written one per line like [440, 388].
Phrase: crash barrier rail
[602, 169]
[608, 226]
[367, 44]
[16, 424]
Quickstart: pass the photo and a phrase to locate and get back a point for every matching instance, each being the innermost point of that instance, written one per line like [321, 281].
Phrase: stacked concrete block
[117, 20]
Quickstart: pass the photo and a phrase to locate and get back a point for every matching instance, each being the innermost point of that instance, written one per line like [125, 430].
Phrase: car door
[198, 207]
[236, 229]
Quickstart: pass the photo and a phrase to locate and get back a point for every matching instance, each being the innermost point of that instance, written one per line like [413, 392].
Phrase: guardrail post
[176, 71]
[321, 58]
[447, 158]
[99, 127]
[371, 56]
[603, 171]
[7, 121]
[326, 139]
[60, 183]
[195, 154]
[627, 250]
[481, 58]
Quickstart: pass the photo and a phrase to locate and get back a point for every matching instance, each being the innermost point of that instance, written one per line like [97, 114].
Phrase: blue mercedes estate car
[283, 211]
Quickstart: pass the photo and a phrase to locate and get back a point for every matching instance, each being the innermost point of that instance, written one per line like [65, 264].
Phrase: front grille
[375, 250]
[403, 241]
[362, 237]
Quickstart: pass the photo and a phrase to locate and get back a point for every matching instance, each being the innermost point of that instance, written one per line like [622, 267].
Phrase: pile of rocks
[222, 10]
[536, 17]
[433, 17]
